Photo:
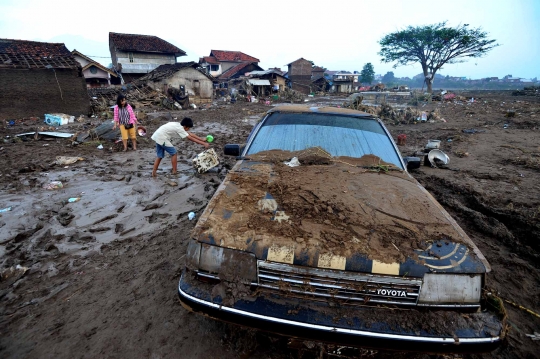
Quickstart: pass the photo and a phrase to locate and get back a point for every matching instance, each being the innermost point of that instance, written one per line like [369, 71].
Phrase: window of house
[130, 55]
[214, 67]
[93, 70]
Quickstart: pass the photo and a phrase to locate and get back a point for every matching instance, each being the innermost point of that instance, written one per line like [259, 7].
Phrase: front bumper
[375, 327]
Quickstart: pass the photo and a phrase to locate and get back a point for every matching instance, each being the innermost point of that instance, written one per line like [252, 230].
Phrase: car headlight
[450, 288]
[228, 264]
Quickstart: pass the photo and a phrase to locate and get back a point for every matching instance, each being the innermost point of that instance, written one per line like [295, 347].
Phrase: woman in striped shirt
[124, 117]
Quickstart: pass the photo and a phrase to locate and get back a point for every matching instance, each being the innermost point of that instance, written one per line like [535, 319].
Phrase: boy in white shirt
[165, 134]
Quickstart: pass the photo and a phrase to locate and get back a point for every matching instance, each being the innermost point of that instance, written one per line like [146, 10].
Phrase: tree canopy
[434, 46]
[367, 75]
[388, 78]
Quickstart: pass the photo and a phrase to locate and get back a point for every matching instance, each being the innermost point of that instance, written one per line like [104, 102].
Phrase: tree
[434, 46]
[367, 75]
[388, 78]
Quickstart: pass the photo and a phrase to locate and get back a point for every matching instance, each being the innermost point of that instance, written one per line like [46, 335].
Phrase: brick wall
[35, 92]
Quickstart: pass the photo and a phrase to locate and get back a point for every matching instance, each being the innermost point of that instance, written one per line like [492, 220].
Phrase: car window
[338, 135]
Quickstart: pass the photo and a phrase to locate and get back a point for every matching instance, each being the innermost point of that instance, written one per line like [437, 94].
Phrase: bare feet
[154, 174]
[173, 173]
[125, 150]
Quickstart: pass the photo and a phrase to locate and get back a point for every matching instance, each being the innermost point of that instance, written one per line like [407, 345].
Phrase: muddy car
[320, 232]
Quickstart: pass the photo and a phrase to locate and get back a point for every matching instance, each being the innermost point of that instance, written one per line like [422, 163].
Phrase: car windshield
[338, 135]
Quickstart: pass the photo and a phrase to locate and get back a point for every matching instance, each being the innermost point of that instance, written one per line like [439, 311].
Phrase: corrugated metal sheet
[257, 82]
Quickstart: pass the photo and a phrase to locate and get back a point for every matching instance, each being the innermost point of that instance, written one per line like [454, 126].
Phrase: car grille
[344, 287]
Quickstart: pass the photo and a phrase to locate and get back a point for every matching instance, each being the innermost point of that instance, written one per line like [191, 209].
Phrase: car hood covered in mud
[357, 215]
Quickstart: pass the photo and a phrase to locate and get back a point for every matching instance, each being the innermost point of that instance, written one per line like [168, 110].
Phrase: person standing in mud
[165, 134]
[124, 117]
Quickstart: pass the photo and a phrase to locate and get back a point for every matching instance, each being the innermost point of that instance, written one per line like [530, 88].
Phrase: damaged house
[219, 61]
[133, 56]
[186, 77]
[319, 83]
[38, 78]
[272, 81]
[299, 74]
[96, 74]
[236, 72]
[345, 82]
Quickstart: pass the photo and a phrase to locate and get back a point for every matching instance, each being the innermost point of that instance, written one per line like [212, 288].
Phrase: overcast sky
[336, 34]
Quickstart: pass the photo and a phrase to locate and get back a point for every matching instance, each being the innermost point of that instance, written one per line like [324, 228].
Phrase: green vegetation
[434, 46]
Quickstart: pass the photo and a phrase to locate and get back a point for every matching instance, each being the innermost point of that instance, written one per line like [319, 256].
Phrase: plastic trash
[53, 185]
[100, 147]
[424, 117]
[74, 199]
[7, 209]
[209, 138]
[206, 160]
[293, 162]
[141, 131]
[58, 119]
[191, 215]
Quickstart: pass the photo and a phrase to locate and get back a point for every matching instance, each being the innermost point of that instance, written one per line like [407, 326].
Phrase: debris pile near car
[357, 105]
[528, 91]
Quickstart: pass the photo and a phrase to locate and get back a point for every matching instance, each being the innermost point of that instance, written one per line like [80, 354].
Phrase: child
[165, 134]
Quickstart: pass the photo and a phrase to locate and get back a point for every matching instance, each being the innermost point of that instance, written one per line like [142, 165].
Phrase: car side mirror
[231, 150]
[412, 163]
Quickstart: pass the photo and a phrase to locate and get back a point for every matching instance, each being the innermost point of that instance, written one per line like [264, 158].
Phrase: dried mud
[102, 286]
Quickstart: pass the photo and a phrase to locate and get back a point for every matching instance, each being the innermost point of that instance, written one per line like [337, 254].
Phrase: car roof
[325, 110]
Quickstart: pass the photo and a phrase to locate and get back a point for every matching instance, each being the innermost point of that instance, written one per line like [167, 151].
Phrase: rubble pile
[356, 104]
[400, 115]
[292, 95]
[101, 99]
[528, 91]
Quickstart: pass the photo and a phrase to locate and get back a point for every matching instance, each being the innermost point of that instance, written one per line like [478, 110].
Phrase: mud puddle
[111, 204]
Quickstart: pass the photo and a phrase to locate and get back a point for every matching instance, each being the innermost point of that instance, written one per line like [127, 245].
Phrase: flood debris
[13, 273]
[47, 133]
[58, 119]
[528, 91]
[53, 185]
[65, 160]
[206, 160]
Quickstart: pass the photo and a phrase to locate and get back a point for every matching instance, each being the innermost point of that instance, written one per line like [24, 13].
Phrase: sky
[338, 34]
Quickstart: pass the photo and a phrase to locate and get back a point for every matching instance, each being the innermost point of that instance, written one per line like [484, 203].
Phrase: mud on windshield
[337, 135]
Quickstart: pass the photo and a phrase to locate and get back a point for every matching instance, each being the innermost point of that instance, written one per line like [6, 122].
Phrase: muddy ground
[102, 271]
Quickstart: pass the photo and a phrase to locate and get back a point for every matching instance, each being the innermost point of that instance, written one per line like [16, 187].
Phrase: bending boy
[165, 134]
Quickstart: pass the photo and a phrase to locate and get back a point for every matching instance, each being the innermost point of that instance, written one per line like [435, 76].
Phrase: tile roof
[34, 54]
[233, 71]
[93, 63]
[209, 59]
[300, 59]
[143, 43]
[166, 71]
[236, 56]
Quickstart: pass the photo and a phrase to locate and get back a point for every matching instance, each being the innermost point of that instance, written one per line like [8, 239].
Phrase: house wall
[81, 60]
[300, 75]
[300, 68]
[145, 58]
[35, 92]
[100, 74]
[213, 73]
[225, 65]
[197, 85]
